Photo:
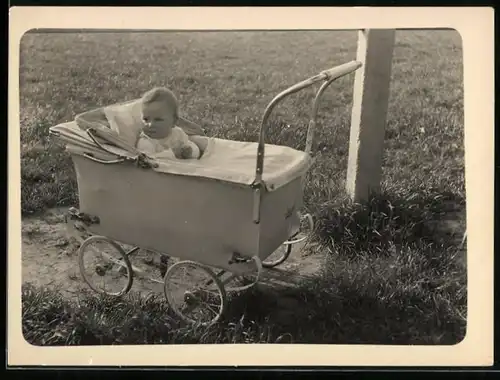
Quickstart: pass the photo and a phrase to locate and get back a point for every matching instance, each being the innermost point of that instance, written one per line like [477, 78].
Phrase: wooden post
[370, 102]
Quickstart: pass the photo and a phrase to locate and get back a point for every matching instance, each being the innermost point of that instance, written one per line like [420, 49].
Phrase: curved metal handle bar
[330, 75]
[312, 123]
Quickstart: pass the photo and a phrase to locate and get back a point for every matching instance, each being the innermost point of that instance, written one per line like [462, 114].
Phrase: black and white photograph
[249, 186]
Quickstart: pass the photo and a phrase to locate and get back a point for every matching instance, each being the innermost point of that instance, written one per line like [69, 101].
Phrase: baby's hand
[184, 151]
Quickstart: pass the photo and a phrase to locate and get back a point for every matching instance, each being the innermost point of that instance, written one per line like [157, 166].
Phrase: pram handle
[328, 76]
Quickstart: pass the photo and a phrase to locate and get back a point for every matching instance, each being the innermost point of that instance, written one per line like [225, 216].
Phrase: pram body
[188, 216]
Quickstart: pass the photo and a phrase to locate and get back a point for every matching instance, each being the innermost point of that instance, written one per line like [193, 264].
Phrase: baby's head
[159, 112]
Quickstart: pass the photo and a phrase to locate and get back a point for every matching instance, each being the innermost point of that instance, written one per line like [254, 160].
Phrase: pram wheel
[283, 252]
[195, 293]
[104, 266]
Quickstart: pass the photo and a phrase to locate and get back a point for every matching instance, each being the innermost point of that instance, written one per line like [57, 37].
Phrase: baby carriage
[233, 209]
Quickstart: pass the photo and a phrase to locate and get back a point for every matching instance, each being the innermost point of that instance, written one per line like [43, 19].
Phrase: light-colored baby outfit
[176, 139]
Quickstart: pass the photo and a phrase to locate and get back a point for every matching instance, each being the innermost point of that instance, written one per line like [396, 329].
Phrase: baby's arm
[183, 147]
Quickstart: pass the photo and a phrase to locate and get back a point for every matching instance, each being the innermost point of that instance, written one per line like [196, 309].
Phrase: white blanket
[235, 161]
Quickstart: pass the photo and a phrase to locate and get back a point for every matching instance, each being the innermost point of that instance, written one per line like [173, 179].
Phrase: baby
[159, 115]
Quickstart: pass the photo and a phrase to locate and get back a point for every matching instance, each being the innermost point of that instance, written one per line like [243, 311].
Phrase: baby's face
[158, 120]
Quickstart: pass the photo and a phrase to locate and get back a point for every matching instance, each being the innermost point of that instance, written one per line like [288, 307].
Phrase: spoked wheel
[283, 252]
[148, 266]
[104, 266]
[195, 293]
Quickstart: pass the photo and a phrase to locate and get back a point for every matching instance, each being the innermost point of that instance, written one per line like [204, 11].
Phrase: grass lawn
[394, 274]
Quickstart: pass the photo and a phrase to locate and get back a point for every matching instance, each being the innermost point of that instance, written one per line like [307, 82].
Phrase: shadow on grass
[419, 218]
[331, 312]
